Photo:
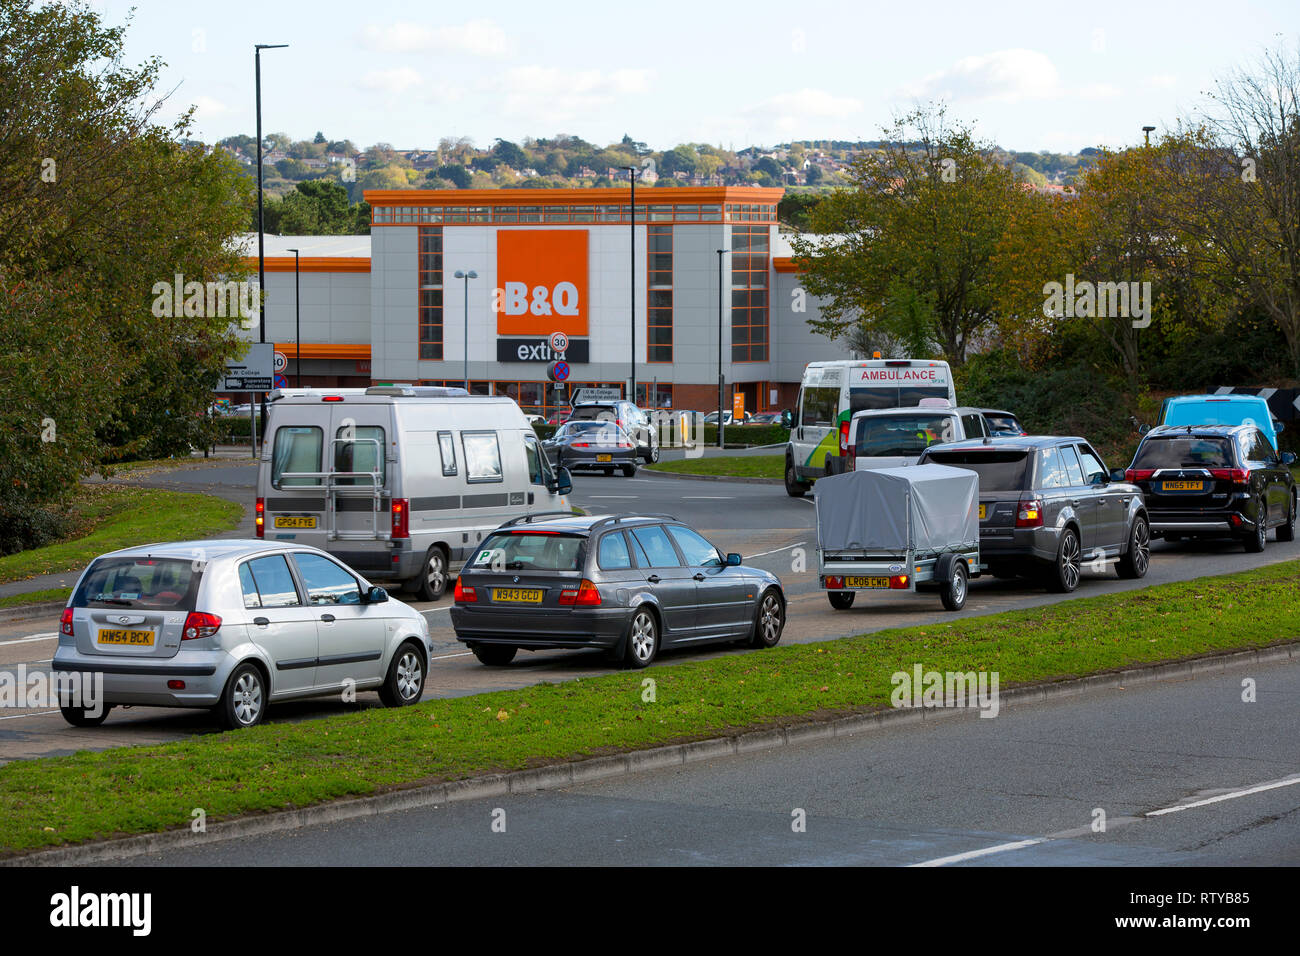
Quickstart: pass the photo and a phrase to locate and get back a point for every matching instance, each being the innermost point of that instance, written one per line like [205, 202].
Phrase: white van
[830, 393]
[896, 437]
[401, 482]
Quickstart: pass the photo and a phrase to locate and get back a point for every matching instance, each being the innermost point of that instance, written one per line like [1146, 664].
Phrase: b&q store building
[389, 308]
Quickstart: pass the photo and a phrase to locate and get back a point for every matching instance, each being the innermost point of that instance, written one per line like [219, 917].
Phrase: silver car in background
[232, 626]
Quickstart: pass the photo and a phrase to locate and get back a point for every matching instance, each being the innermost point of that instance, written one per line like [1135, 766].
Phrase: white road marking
[620, 497]
[1021, 844]
[707, 497]
[1233, 795]
[43, 713]
[974, 854]
[443, 657]
[32, 637]
[777, 550]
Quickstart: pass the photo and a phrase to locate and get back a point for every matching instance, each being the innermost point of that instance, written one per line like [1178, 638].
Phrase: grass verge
[108, 517]
[36, 597]
[729, 466]
[277, 766]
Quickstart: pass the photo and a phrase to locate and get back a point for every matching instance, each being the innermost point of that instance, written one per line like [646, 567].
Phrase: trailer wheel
[840, 600]
[953, 593]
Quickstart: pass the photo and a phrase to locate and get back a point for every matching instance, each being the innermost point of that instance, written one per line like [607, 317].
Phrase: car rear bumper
[144, 682]
[1016, 543]
[1216, 522]
[537, 629]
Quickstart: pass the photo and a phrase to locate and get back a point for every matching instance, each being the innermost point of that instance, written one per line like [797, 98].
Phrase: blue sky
[1031, 76]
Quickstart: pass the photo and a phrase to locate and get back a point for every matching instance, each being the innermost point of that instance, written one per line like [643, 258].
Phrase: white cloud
[798, 112]
[483, 38]
[1099, 91]
[1163, 81]
[1005, 75]
[206, 107]
[552, 94]
[397, 80]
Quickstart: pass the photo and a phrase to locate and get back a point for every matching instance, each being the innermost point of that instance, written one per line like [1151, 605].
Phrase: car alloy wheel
[433, 584]
[642, 639]
[1259, 540]
[1135, 563]
[770, 620]
[654, 453]
[1067, 571]
[410, 675]
[244, 700]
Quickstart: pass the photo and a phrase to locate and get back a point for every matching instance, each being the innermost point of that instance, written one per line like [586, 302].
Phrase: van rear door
[293, 482]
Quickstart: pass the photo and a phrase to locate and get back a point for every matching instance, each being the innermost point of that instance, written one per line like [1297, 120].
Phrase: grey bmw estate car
[629, 584]
[1048, 506]
[233, 626]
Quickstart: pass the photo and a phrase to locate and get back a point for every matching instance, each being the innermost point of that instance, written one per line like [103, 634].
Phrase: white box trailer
[914, 528]
[401, 482]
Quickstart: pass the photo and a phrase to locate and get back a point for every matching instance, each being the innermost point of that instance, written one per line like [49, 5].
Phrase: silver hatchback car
[232, 626]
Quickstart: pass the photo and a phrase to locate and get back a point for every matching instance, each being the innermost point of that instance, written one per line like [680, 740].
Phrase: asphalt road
[769, 528]
[1025, 788]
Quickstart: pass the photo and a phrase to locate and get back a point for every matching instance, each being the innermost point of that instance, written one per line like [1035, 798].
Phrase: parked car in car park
[627, 417]
[1215, 481]
[896, 437]
[402, 482]
[235, 626]
[629, 584]
[596, 445]
[765, 418]
[1048, 505]
[728, 419]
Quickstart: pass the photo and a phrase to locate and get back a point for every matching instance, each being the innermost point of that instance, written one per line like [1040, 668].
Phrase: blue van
[1221, 410]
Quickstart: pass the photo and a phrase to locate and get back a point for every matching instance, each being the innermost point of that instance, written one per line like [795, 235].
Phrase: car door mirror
[733, 559]
[1288, 458]
[563, 481]
[1143, 429]
[1097, 478]
[1117, 474]
[376, 595]
[787, 419]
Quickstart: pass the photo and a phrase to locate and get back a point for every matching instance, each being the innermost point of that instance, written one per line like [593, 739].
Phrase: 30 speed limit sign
[281, 361]
[559, 342]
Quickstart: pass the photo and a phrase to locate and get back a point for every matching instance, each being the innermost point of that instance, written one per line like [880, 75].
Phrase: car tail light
[401, 518]
[587, 595]
[582, 444]
[176, 685]
[1138, 474]
[844, 437]
[897, 581]
[624, 445]
[464, 595]
[1029, 513]
[1238, 476]
[65, 622]
[833, 582]
[260, 520]
[331, 398]
[1235, 519]
[199, 624]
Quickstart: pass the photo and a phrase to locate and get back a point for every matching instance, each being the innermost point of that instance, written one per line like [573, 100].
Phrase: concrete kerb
[600, 768]
[24, 611]
[740, 480]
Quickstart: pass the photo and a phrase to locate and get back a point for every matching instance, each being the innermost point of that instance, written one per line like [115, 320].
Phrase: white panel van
[400, 482]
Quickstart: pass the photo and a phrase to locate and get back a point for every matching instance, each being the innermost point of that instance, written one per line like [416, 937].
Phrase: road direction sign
[252, 373]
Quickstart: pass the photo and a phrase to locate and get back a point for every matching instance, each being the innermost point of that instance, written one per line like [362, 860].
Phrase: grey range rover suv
[1048, 506]
[629, 584]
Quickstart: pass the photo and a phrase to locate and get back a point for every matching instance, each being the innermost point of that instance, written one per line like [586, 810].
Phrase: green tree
[101, 205]
[926, 210]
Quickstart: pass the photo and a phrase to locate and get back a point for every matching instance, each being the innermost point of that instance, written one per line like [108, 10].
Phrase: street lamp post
[466, 276]
[297, 323]
[632, 172]
[1147, 131]
[261, 233]
[721, 385]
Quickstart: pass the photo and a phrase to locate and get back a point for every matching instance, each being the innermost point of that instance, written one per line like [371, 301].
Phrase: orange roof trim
[313, 263]
[649, 195]
[324, 350]
[784, 264]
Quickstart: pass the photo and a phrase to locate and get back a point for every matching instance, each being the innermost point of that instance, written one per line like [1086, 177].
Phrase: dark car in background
[1048, 506]
[629, 584]
[1215, 481]
[592, 444]
[627, 417]
[1002, 424]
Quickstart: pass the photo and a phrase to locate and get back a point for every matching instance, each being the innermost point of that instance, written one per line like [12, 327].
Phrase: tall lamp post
[261, 233]
[1147, 131]
[632, 172]
[297, 323]
[466, 276]
[721, 411]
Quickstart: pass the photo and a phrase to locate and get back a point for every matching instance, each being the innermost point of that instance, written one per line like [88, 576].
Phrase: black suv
[625, 583]
[1215, 481]
[1048, 506]
[628, 417]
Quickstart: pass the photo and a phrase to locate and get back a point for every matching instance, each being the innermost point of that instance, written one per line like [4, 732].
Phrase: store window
[659, 296]
[430, 318]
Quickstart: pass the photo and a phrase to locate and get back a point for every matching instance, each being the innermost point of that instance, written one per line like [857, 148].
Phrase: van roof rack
[418, 391]
[275, 394]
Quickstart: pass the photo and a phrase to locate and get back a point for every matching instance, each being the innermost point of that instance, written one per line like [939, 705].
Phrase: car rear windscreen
[1184, 451]
[530, 551]
[140, 582]
[1003, 425]
[997, 470]
[588, 412]
[909, 435]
